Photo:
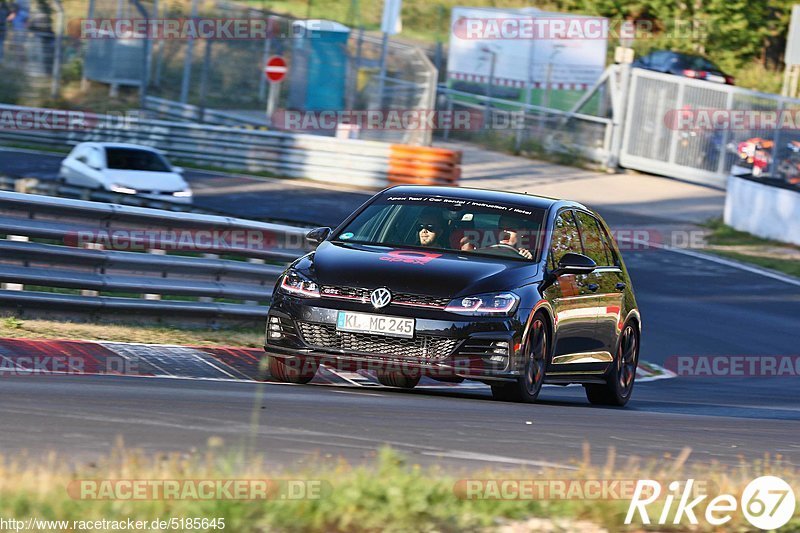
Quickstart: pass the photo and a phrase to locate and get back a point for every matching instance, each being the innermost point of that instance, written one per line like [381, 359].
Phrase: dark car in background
[510, 289]
[686, 65]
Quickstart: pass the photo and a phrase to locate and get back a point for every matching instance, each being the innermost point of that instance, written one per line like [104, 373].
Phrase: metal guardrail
[191, 113]
[328, 159]
[64, 254]
[62, 190]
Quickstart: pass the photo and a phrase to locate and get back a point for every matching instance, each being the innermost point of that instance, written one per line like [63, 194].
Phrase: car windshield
[133, 159]
[450, 224]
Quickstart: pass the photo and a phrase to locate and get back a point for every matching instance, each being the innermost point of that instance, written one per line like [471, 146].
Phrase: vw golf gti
[509, 289]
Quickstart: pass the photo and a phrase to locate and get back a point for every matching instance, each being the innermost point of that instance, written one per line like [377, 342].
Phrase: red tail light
[730, 80]
[697, 74]
[760, 160]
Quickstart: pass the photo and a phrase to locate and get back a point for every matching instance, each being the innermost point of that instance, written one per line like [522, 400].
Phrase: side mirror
[177, 170]
[317, 235]
[572, 263]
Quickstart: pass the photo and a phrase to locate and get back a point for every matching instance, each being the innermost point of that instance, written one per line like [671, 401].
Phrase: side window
[611, 247]
[592, 238]
[565, 238]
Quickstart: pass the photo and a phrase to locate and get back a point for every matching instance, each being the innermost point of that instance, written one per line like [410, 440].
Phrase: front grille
[398, 298]
[421, 347]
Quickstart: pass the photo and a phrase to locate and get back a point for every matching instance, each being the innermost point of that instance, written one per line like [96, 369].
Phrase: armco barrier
[63, 254]
[765, 210]
[170, 109]
[327, 159]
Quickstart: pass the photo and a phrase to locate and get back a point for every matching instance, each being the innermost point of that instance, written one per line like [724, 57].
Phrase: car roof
[122, 145]
[485, 195]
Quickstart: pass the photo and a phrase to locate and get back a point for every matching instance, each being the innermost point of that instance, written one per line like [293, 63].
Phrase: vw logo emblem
[380, 298]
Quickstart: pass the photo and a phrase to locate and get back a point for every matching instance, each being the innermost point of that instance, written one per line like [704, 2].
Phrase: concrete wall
[763, 210]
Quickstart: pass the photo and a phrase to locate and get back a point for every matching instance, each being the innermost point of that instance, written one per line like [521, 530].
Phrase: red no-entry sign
[276, 69]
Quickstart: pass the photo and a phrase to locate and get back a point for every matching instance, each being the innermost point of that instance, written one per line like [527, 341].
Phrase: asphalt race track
[691, 306]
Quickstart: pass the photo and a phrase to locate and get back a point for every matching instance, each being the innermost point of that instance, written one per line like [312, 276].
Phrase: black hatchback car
[513, 290]
[686, 65]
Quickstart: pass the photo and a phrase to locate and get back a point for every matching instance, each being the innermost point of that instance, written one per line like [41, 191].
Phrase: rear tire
[292, 369]
[619, 386]
[400, 380]
[527, 388]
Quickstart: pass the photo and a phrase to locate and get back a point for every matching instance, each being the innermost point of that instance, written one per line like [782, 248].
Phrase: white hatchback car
[125, 169]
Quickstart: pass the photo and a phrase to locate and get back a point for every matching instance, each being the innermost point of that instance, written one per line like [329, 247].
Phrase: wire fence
[331, 67]
[228, 74]
[525, 128]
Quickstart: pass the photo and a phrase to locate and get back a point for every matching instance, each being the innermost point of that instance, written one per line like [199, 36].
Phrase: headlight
[116, 187]
[503, 303]
[295, 283]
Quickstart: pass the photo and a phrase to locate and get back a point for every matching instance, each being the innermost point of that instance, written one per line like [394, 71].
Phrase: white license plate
[715, 78]
[377, 324]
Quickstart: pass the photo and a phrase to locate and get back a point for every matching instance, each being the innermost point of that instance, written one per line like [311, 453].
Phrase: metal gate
[652, 142]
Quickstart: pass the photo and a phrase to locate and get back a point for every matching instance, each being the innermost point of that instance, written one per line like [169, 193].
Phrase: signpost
[275, 71]
[391, 24]
[791, 59]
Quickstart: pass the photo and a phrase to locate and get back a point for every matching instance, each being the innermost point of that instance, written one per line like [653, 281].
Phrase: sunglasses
[430, 227]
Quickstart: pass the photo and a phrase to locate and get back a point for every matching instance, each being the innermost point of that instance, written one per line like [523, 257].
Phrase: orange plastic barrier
[422, 165]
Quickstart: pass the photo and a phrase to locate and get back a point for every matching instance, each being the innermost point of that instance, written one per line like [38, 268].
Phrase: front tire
[293, 369]
[526, 389]
[619, 387]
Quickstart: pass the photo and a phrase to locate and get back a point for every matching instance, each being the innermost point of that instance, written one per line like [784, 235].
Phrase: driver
[430, 229]
[510, 235]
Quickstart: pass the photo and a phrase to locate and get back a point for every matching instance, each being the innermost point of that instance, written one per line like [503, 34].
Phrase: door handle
[593, 287]
[621, 286]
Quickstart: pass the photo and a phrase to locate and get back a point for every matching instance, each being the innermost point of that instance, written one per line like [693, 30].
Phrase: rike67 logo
[767, 502]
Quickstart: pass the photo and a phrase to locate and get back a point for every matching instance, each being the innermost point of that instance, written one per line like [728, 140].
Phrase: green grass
[17, 328]
[786, 266]
[388, 493]
[745, 247]
[724, 235]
